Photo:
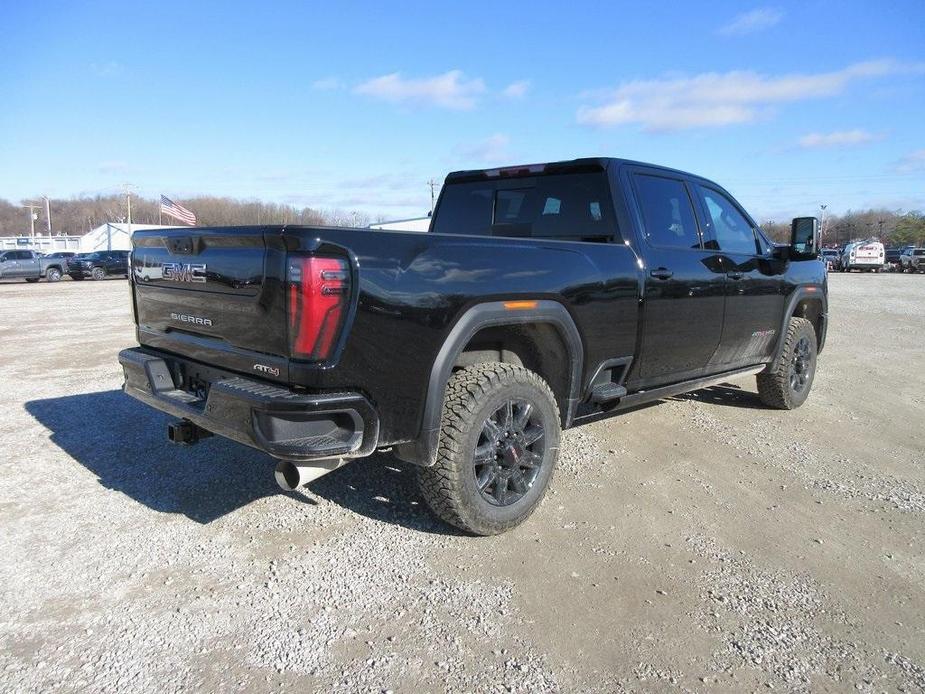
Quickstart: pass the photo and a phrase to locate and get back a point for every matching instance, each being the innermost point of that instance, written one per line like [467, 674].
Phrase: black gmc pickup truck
[543, 297]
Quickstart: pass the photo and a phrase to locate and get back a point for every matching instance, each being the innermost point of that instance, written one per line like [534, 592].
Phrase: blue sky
[355, 106]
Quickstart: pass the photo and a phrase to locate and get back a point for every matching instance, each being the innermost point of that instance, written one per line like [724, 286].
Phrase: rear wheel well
[811, 310]
[538, 347]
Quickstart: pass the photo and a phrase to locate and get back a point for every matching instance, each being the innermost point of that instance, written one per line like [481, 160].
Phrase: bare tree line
[891, 227]
[76, 216]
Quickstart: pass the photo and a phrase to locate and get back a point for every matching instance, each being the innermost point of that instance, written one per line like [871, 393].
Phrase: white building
[42, 244]
[113, 236]
[415, 224]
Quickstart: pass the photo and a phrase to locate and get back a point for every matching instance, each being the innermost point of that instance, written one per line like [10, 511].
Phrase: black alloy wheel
[509, 454]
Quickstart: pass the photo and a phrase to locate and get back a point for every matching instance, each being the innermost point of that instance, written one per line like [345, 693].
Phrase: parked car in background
[865, 255]
[913, 260]
[31, 266]
[830, 256]
[98, 265]
[891, 259]
[62, 255]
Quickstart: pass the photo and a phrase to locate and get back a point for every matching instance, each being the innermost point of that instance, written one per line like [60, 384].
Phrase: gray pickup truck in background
[31, 266]
[912, 260]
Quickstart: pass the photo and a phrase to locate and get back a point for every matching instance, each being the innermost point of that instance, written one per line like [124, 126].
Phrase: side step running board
[605, 392]
[641, 397]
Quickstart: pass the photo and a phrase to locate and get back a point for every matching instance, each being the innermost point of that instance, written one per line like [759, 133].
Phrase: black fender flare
[423, 450]
[815, 293]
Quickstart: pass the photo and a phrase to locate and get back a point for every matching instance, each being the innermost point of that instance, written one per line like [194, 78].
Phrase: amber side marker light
[519, 305]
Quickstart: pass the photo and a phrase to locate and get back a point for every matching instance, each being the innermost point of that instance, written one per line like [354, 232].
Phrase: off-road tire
[450, 487]
[775, 386]
[52, 274]
[98, 273]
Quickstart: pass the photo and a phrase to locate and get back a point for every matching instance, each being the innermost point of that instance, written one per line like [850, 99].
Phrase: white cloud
[840, 138]
[911, 163]
[716, 99]
[750, 22]
[450, 90]
[327, 84]
[516, 90]
[491, 150]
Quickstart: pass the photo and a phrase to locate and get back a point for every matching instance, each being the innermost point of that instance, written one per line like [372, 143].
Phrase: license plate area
[196, 381]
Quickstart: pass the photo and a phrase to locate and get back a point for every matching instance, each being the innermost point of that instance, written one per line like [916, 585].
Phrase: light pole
[822, 225]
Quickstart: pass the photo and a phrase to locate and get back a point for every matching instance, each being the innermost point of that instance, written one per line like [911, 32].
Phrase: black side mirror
[804, 238]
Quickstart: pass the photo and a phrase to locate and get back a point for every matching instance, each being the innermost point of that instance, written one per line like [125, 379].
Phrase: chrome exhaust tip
[290, 476]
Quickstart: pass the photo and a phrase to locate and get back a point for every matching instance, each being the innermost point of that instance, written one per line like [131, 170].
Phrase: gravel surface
[702, 543]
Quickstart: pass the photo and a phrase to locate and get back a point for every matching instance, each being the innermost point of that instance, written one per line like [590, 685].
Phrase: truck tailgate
[215, 295]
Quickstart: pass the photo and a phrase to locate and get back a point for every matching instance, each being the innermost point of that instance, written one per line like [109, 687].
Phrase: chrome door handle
[661, 273]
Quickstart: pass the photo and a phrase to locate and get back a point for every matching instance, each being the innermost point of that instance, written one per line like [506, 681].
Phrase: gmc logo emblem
[185, 272]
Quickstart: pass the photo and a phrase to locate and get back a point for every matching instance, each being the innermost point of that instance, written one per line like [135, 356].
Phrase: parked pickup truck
[543, 297]
[31, 266]
[912, 260]
[98, 265]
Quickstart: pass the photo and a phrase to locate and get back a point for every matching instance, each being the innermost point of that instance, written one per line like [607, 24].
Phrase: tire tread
[442, 484]
[774, 386]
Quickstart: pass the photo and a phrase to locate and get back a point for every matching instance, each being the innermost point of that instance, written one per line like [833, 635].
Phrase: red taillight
[319, 295]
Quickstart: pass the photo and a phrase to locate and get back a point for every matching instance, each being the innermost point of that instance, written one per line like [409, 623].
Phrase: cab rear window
[568, 207]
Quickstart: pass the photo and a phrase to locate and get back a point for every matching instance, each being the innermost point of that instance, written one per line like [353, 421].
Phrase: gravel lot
[702, 543]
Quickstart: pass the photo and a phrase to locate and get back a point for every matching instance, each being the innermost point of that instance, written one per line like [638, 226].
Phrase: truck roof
[584, 165]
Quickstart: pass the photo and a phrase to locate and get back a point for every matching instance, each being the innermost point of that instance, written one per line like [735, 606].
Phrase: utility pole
[32, 217]
[47, 213]
[128, 202]
[880, 224]
[433, 195]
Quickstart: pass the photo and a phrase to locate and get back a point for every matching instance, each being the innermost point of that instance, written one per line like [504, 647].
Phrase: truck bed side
[411, 290]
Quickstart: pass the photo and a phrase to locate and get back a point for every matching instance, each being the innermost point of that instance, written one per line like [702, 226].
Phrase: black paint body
[715, 313]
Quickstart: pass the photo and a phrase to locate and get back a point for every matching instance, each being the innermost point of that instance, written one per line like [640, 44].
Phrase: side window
[667, 212]
[732, 230]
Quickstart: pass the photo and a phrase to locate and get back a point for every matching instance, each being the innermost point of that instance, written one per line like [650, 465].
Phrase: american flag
[172, 209]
